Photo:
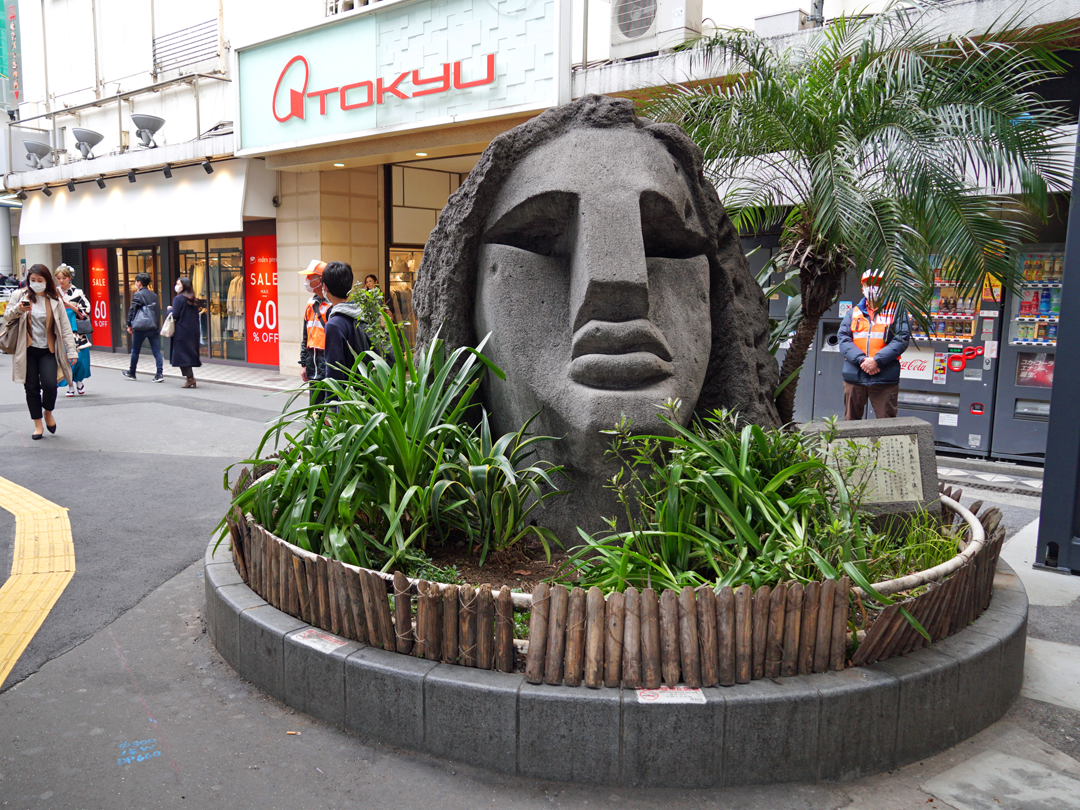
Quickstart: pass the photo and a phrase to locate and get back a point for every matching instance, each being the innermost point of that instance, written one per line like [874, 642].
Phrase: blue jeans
[137, 337]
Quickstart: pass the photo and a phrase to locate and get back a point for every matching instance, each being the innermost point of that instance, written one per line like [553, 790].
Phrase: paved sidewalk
[243, 376]
[997, 476]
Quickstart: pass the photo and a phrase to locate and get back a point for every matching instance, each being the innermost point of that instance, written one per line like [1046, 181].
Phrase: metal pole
[97, 65]
[1059, 516]
[198, 121]
[585, 38]
[45, 57]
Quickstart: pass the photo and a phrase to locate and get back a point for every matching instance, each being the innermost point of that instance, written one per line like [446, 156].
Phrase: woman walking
[44, 347]
[78, 308]
[184, 351]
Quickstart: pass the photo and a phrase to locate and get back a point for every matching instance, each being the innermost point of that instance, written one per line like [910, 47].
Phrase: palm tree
[874, 142]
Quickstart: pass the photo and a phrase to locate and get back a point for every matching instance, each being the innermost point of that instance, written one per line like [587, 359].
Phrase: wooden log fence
[636, 639]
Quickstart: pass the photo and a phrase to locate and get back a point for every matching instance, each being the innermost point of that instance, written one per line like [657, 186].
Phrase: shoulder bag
[144, 317]
[9, 332]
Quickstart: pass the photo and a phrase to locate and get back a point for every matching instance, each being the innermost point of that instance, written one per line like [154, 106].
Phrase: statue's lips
[619, 354]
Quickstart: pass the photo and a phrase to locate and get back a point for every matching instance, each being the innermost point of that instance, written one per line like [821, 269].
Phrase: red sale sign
[260, 299]
[99, 296]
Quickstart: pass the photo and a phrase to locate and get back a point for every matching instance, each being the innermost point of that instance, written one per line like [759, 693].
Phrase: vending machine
[1026, 375]
[947, 375]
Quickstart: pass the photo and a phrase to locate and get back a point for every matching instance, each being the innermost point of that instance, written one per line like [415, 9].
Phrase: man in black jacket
[143, 324]
[872, 339]
[346, 335]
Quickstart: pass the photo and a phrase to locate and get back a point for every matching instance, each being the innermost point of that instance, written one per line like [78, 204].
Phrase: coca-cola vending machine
[1027, 355]
[947, 375]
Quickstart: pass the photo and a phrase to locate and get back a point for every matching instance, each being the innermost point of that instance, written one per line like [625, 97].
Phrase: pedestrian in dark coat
[184, 351]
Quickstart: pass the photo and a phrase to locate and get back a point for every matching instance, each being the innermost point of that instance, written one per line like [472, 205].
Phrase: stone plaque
[890, 467]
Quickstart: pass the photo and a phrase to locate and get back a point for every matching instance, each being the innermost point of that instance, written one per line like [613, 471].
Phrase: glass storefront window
[216, 270]
[403, 267]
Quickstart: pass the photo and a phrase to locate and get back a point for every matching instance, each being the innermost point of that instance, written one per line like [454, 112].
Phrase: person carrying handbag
[142, 324]
[43, 347]
[78, 309]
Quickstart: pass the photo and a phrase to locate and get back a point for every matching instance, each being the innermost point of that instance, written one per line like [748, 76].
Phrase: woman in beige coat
[45, 348]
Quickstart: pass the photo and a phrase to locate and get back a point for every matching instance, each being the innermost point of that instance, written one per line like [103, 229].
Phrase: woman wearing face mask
[45, 347]
[184, 350]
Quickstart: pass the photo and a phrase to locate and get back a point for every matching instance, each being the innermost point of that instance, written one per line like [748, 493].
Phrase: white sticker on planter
[670, 694]
[323, 642]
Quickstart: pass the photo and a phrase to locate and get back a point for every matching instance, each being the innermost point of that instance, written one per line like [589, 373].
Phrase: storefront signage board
[260, 296]
[400, 65]
[99, 296]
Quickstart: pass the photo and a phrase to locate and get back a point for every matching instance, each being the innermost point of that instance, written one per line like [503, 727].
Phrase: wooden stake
[325, 622]
[774, 640]
[669, 637]
[303, 598]
[311, 574]
[631, 668]
[650, 640]
[504, 632]
[615, 621]
[760, 635]
[823, 644]
[594, 638]
[789, 664]
[839, 625]
[556, 637]
[725, 636]
[368, 590]
[575, 639]
[386, 620]
[423, 619]
[450, 626]
[485, 627]
[467, 626]
[808, 632]
[743, 634]
[538, 625]
[403, 630]
[689, 651]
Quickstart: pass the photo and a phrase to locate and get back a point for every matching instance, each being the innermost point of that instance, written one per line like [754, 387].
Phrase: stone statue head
[589, 244]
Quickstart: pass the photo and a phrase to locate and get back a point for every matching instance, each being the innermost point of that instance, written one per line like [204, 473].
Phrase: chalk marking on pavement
[42, 565]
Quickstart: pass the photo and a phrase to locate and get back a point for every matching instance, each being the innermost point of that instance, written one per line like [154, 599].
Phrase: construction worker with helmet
[313, 339]
[872, 338]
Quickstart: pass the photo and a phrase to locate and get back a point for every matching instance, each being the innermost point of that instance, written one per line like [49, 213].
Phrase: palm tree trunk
[793, 361]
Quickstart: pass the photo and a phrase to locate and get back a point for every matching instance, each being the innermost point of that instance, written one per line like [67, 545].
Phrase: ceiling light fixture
[167, 171]
[207, 167]
[71, 185]
[101, 181]
[46, 191]
[421, 154]
[340, 165]
[131, 176]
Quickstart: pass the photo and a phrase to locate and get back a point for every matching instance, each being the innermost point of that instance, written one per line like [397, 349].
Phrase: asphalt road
[139, 466]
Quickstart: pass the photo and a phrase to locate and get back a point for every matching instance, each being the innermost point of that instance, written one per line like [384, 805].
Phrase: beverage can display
[1040, 334]
[1055, 301]
[1044, 303]
[1059, 267]
[1037, 268]
[1034, 297]
[1051, 331]
[934, 305]
[1026, 275]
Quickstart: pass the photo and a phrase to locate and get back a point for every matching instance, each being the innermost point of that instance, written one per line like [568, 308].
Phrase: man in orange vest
[313, 339]
[872, 339]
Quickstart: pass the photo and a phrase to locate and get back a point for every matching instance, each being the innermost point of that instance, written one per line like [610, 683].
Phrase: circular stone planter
[833, 725]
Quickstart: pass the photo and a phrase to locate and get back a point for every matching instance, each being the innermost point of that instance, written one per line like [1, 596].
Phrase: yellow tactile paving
[42, 566]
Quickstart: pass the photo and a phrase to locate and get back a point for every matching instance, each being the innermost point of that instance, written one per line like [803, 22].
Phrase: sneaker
[159, 378]
[127, 375]
[69, 393]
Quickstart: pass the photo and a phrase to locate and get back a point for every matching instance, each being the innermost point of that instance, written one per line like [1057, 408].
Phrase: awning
[191, 202]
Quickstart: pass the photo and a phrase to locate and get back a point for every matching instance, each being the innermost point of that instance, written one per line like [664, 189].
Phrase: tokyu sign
[399, 65]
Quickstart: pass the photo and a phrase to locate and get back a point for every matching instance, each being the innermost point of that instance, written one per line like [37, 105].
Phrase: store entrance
[130, 261]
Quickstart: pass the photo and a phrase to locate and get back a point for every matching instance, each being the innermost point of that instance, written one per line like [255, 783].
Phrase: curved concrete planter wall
[834, 725]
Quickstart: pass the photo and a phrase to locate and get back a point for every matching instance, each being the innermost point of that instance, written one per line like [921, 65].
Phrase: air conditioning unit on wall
[641, 27]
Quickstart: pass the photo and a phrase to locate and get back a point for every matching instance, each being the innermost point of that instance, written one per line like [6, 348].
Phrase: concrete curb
[836, 725]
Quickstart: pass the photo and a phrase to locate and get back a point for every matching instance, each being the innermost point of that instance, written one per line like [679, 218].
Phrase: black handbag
[144, 318]
[84, 327]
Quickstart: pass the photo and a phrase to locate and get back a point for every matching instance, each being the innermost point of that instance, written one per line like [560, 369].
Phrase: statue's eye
[665, 232]
[541, 224]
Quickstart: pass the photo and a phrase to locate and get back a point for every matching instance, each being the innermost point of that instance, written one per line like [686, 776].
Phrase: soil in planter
[522, 566]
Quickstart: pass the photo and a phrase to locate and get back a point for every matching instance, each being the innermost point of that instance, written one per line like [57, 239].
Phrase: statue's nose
[609, 280]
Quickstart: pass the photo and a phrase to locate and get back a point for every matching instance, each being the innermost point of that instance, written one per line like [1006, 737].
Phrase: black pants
[137, 338]
[40, 382]
[186, 371]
